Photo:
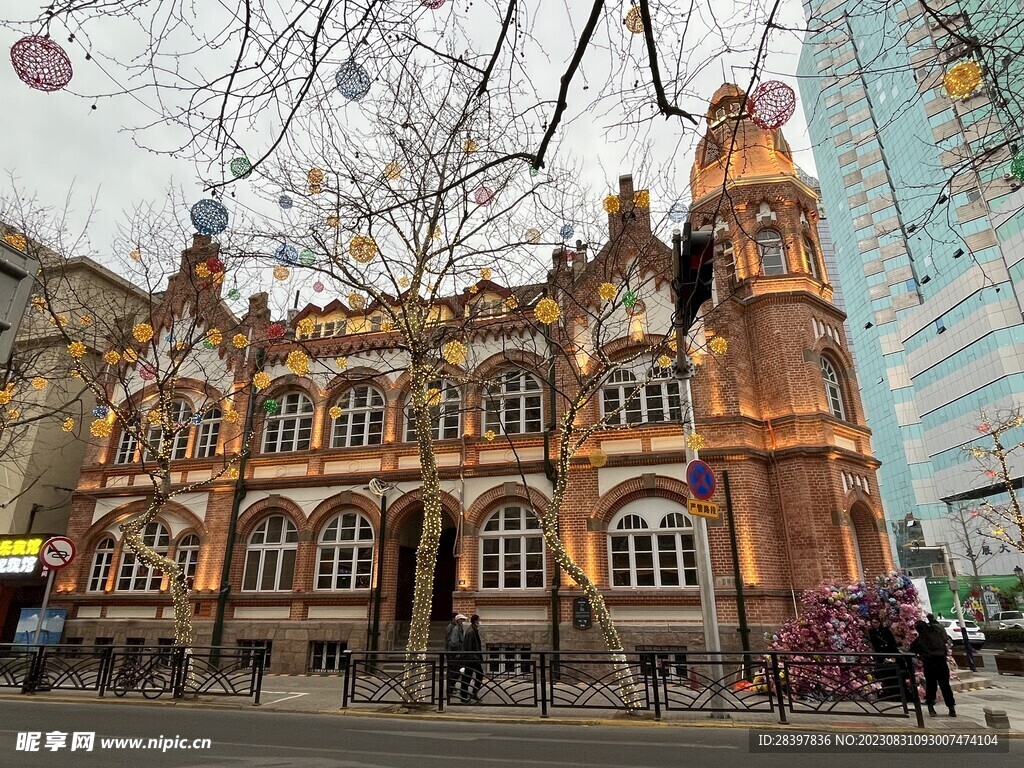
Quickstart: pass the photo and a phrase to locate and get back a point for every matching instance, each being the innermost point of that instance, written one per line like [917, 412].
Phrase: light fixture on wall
[462, 583]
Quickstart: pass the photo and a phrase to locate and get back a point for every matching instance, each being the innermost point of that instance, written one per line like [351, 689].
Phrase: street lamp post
[954, 588]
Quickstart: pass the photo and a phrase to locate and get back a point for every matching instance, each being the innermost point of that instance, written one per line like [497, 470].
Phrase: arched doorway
[444, 570]
[869, 558]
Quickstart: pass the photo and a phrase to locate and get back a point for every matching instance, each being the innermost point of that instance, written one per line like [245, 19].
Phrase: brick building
[780, 411]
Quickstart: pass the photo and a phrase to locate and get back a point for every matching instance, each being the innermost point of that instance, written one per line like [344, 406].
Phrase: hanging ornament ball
[240, 167]
[642, 198]
[990, 474]
[362, 249]
[630, 299]
[333, 221]
[771, 105]
[202, 271]
[215, 265]
[719, 345]
[315, 176]
[483, 196]
[454, 352]
[436, 234]
[76, 349]
[474, 289]
[511, 302]
[353, 80]
[634, 21]
[432, 4]
[286, 254]
[469, 146]
[665, 362]
[271, 406]
[147, 372]
[547, 311]
[142, 332]
[100, 411]
[392, 171]
[1017, 166]
[234, 294]
[598, 458]
[284, 202]
[318, 287]
[85, 320]
[612, 204]
[678, 212]
[307, 259]
[131, 356]
[101, 428]
[695, 441]
[111, 357]
[341, 362]
[39, 382]
[489, 435]
[136, 255]
[607, 291]
[275, 331]
[233, 473]
[240, 341]
[356, 301]
[209, 217]
[335, 412]
[984, 427]
[41, 63]
[298, 362]
[261, 380]
[213, 338]
[16, 240]
[68, 424]
[567, 231]
[403, 281]
[534, 171]
[485, 273]
[281, 272]
[962, 79]
[532, 235]
[306, 326]
[231, 416]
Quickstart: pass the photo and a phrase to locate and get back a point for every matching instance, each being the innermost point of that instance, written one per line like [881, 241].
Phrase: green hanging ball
[534, 171]
[240, 167]
[1017, 166]
[234, 294]
[629, 300]
[271, 406]
[307, 259]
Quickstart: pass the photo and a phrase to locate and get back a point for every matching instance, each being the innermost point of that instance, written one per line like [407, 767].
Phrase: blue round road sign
[700, 479]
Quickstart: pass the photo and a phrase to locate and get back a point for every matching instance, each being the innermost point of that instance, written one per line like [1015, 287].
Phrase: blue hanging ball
[285, 202]
[567, 231]
[100, 411]
[678, 212]
[353, 80]
[286, 254]
[209, 217]
[197, 418]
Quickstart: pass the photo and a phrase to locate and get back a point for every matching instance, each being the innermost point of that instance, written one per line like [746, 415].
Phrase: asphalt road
[267, 739]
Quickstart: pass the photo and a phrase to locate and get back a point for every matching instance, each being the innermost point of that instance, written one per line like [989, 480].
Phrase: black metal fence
[777, 683]
[129, 669]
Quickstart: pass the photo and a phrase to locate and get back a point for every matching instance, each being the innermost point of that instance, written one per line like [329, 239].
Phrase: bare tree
[1000, 461]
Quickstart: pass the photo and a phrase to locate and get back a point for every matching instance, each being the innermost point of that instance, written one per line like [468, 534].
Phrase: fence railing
[777, 683]
[151, 671]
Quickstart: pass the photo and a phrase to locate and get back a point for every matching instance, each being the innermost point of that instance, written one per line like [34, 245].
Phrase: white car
[974, 633]
[1009, 620]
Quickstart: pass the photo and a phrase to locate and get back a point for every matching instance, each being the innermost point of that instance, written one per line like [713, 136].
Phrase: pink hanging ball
[771, 105]
[318, 287]
[41, 63]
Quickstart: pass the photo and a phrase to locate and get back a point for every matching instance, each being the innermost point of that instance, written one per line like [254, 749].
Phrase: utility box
[17, 276]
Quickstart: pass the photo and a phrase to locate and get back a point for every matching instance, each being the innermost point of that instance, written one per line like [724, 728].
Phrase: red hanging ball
[215, 265]
[771, 105]
[275, 331]
[41, 63]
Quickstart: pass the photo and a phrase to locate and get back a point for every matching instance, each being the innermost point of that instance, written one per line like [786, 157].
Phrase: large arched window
[625, 399]
[362, 418]
[652, 548]
[102, 558]
[209, 433]
[511, 550]
[180, 413]
[345, 555]
[769, 251]
[136, 576]
[513, 404]
[445, 412]
[127, 447]
[811, 256]
[186, 555]
[291, 427]
[833, 391]
[270, 556]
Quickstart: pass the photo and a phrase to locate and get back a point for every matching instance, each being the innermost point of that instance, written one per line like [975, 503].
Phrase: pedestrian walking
[473, 661]
[930, 646]
[454, 638]
[887, 670]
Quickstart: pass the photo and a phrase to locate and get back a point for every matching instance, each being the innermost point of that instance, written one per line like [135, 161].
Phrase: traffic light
[694, 267]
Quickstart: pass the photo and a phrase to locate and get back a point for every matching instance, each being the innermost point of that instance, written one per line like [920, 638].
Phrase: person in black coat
[887, 672]
[930, 645]
[473, 661]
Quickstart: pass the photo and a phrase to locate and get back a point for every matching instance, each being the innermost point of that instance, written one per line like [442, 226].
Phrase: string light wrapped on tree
[41, 63]
[209, 217]
[962, 79]
[352, 80]
[771, 105]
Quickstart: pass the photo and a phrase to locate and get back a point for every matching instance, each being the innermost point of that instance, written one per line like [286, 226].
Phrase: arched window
[209, 433]
[652, 549]
[513, 404]
[635, 402]
[187, 556]
[362, 418]
[833, 392]
[769, 251]
[136, 576]
[511, 550]
[102, 557]
[445, 412]
[127, 447]
[291, 427]
[345, 556]
[270, 556]
[812, 258]
[180, 413]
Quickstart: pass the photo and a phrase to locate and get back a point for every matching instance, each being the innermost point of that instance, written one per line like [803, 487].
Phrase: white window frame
[335, 551]
[209, 435]
[833, 389]
[359, 425]
[446, 417]
[102, 560]
[767, 252]
[186, 555]
[295, 417]
[657, 392]
[528, 531]
[181, 412]
[811, 258]
[501, 402]
[643, 532]
[127, 448]
[285, 547]
[135, 576]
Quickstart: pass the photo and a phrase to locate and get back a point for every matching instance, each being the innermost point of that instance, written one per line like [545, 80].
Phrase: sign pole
[46, 602]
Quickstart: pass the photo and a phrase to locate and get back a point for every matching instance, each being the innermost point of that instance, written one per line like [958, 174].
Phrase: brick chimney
[630, 220]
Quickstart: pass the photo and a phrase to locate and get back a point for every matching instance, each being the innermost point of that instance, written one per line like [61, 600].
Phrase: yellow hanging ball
[489, 435]
[962, 79]
[281, 272]
[598, 458]
[68, 424]
[634, 21]
[261, 380]
[101, 428]
[719, 345]
[298, 362]
[612, 204]
[392, 171]
[202, 271]
[39, 382]
[333, 221]
[664, 361]
[76, 349]
[240, 341]
[356, 301]
[306, 326]
[335, 412]
[642, 198]
[511, 302]
[695, 442]
[362, 249]
[454, 352]
[607, 291]
[142, 332]
[16, 240]
[547, 311]
[433, 397]
[485, 273]
[469, 146]
[341, 362]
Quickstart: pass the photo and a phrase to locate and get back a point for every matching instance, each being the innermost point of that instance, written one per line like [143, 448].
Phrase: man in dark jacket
[473, 670]
[454, 638]
[930, 646]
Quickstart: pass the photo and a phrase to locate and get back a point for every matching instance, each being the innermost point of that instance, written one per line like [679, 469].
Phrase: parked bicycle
[135, 675]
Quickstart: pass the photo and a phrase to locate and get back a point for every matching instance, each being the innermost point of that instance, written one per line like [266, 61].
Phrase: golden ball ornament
[387, 326]
[695, 441]
[511, 303]
[213, 337]
[489, 435]
[607, 291]
[315, 177]
[111, 357]
[233, 473]
[474, 289]
[436, 234]
[16, 240]
[281, 272]
[240, 341]
[39, 382]
[306, 326]
[85, 320]
[392, 171]
[532, 235]
[962, 79]
[202, 271]
[136, 255]
[485, 273]
[6, 394]
[142, 332]
[231, 416]
[154, 417]
[341, 363]
[612, 204]
[598, 458]
[403, 281]
[101, 428]
[719, 345]
[131, 356]
[642, 198]
[38, 303]
[13, 414]
[362, 249]
[454, 352]
[261, 380]
[356, 301]
[335, 412]
[547, 311]
[469, 146]
[298, 362]
[68, 424]
[634, 21]
[333, 221]
[60, 320]
[76, 349]
[664, 361]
